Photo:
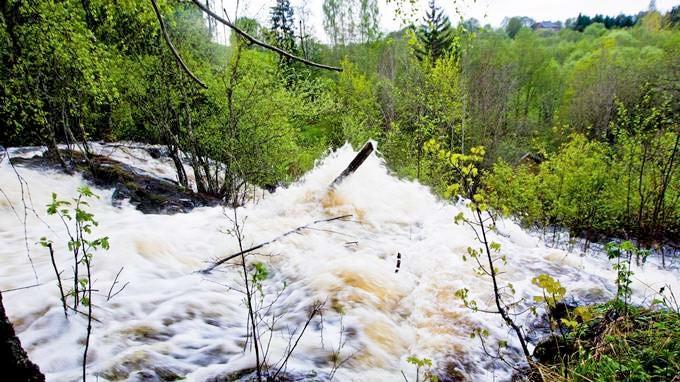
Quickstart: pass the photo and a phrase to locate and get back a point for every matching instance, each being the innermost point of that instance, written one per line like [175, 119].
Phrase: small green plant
[463, 176]
[623, 254]
[422, 363]
[552, 293]
[259, 275]
[79, 224]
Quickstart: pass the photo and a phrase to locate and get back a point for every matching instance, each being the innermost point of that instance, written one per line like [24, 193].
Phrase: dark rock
[148, 193]
[166, 374]
[144, 376]
[155, 152]
[551, 349]
[539, 328]
[14, 361]
[271, 188]
[563, 308]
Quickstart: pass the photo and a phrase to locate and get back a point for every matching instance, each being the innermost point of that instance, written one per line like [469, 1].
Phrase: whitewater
[171, 321]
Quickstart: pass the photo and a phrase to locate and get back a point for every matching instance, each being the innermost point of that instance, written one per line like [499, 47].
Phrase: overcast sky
[486, 11]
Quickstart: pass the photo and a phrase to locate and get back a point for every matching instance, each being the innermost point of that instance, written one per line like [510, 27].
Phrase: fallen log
[354, 164]
[254, 248]
[350, 169]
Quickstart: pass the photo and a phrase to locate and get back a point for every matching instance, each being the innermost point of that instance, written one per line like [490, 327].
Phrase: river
[172, 321]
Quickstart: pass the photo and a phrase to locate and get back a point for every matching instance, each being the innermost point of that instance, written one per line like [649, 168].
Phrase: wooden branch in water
[254, 248]
[172, 47]
[354, 164]
[255, 41]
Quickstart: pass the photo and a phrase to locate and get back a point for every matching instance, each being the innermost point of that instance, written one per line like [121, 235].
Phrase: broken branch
[172, 47]
[255, 41]
[251, 249]
[354, 164]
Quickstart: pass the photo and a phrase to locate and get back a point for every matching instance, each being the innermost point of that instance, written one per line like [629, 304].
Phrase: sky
[486, 11]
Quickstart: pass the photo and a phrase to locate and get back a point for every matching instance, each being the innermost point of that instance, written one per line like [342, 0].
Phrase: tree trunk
[13, 358]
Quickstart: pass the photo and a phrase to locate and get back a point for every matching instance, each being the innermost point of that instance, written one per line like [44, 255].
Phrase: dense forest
[592, 101]
[571, 128]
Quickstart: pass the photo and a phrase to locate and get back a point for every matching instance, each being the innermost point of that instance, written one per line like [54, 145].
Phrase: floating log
[354, 164]
[350, 169]
[254, 248]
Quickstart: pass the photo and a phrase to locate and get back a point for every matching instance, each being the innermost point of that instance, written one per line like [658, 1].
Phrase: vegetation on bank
[606, 342]
[614, 341]
[598, 106]
[643, 345]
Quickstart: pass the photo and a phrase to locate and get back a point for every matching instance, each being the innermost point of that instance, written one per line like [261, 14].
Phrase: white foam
[171, 317]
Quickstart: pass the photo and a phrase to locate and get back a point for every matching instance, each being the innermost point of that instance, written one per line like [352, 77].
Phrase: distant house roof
[549, 25]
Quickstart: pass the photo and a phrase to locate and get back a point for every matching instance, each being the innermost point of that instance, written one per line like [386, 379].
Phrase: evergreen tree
[435, 35]
[282, 25]
[673, 16]
[582, 21]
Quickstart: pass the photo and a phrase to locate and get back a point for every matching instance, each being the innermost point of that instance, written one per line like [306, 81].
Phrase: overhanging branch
[255, 41]
[172, 47]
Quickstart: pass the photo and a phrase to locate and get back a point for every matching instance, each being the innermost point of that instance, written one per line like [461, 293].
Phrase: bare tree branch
[257, 42]
[172, 47]
[244, 251]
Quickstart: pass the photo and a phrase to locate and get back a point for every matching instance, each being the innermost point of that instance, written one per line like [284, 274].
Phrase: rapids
[171, 321]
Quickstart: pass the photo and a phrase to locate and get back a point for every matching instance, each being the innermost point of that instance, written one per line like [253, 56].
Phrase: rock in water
[13, 358]
[149, 194]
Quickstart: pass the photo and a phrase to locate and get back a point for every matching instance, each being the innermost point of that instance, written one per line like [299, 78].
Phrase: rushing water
[172, 320]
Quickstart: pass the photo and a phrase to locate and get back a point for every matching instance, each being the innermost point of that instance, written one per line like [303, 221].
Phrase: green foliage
[643, 346]
[553, 291]
[623, 254]
[79, 223]
[420, 363]
[595, 189]
[517, 23]
[259, 274]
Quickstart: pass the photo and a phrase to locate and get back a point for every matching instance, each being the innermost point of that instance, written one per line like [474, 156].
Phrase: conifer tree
[435, 35]
[282, 26]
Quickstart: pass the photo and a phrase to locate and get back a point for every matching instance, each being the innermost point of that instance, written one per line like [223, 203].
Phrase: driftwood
[351, 168]
[254, 248]
[354, 164]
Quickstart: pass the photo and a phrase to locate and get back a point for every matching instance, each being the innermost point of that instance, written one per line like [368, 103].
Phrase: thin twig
[56, 272]
[172, 47]
[315, 310]
[22, 181]
[115, 281]
[251, 249]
